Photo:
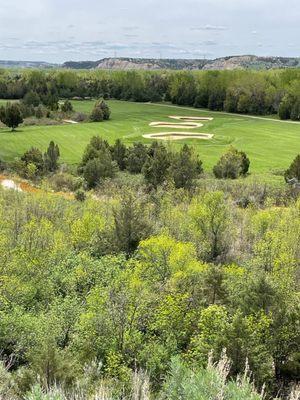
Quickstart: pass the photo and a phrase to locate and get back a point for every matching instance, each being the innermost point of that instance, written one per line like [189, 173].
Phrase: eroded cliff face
[121, 64]
[228, 63]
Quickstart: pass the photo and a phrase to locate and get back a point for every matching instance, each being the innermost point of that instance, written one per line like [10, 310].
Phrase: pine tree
[119, 154]
[11, 115]
[185, 167]
[156, 168]
[51, 157]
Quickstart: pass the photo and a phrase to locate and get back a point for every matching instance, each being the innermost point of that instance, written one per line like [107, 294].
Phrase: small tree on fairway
[104, 108]
[11, 115]
[96, 114]
[51, 157]
[293, 172]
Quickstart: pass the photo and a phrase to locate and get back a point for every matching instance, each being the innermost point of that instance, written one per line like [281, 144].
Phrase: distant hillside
[252, 62]
[232, 62]
[137, 63]
[27, 64]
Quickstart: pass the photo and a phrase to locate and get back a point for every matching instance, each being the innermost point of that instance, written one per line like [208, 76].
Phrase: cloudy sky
[60, 30]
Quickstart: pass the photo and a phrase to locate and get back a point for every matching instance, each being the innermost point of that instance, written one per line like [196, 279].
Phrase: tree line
[248, 92]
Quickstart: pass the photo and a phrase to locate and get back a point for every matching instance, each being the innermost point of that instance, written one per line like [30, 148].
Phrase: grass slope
[269, 144]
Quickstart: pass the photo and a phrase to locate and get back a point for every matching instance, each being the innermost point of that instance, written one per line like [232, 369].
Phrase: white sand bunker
[186, 125]
[178, 136]
[191, 119]
[9, 184]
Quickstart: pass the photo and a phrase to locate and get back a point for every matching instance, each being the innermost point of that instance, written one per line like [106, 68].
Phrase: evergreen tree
[137, 156]
[11, 115]
[67, 107]
[119, 154]
[185, 167]
[51, 157]
[232, 164]
[96, 114]
[131, 223]
[156, 168]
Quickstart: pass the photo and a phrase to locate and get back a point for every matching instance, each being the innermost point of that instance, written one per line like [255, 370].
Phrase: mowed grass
[270, 145]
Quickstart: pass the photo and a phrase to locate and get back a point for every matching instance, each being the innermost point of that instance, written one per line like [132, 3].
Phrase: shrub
[137, 155]
[99, 168]
[105, 109]
[232, 164]
[96, 115]
[34, 157]
[293, 172]
[80, 117]
[80, 195]
[65, 182]
[67, 107]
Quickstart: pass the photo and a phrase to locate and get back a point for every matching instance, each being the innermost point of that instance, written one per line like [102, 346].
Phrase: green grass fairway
[270, 145]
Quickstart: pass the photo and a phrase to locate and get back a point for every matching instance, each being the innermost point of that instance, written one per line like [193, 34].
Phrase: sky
[63, 30]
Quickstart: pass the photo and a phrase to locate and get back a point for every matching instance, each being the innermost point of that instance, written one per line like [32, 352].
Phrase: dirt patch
[186, 125]
[23, 186]
[10, 184]
[178, 136]
[190, 119]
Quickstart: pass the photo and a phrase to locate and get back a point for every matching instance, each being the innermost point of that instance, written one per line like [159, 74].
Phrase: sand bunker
[178, 136]
[186, 125]
[190, 119]
[70, 121]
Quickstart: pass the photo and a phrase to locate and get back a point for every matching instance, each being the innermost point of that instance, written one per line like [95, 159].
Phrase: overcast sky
[61, 30]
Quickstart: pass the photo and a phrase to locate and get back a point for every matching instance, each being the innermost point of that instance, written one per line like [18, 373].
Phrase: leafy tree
[51, 157]
[232, 164]
[210, 218]
[32, 99]
[11, 115]
[284, 110]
